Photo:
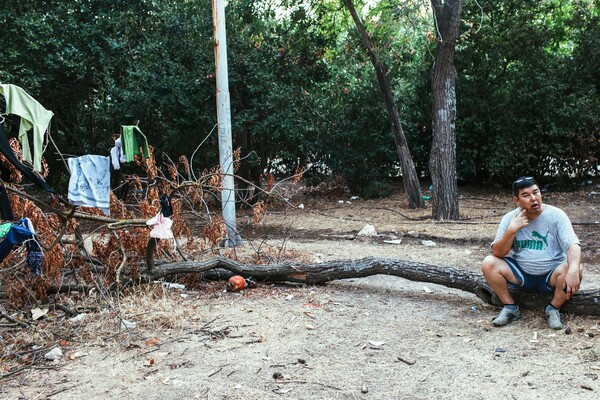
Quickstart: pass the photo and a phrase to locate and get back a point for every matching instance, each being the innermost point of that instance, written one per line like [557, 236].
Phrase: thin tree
[442, 159]
[409, 172]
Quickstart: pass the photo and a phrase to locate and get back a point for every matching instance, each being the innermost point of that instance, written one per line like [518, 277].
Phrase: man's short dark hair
[521, 183]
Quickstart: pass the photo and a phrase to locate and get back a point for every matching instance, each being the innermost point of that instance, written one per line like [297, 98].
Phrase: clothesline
[90, 175]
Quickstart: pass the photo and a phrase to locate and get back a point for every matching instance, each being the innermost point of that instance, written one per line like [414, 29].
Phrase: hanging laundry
[162, 222]
[5, 206]
[27, 172]
[16, 234]
[161, 227]
[89, 184]
[117, 157]
[33, 115]
[133, 140]
[35, 255]
[4, 228]
[34, 262]
[5, 249]
[165, 206]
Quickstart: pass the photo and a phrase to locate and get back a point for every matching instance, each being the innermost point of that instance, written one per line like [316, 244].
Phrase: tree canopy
[303, 92]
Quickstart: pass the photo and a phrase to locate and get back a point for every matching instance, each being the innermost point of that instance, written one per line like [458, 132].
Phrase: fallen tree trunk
[586, 302]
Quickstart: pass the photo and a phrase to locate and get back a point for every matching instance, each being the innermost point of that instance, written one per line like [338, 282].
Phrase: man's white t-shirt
[542, 245]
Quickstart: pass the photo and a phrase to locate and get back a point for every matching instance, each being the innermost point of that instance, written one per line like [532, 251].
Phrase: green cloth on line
[132, 140]
[33, 115]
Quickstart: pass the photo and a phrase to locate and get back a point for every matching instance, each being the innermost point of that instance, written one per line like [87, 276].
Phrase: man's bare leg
[498, 274]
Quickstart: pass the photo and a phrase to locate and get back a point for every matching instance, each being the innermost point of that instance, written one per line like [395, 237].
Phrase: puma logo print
[537, 235]
[533, 244]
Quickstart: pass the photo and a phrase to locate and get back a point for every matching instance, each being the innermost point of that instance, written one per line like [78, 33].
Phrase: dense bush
[303, 91]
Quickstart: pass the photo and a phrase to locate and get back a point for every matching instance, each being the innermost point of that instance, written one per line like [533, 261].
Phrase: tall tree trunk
[442, 160]
[409, 172]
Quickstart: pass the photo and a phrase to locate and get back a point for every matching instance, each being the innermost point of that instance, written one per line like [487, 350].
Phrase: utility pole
[224, 123]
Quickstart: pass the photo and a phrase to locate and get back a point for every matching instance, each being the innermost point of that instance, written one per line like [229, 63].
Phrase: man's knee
[561, 271]
[489, 264]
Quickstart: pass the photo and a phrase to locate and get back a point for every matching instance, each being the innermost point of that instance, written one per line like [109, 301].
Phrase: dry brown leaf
[152, 341]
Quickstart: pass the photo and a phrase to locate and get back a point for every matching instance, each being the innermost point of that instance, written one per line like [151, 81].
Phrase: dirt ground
[379, 337]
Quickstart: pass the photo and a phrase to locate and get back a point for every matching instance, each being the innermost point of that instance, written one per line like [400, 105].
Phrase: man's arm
[503, 246]
[573, 278]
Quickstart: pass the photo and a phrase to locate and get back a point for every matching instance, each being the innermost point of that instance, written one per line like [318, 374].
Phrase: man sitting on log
[545, 254]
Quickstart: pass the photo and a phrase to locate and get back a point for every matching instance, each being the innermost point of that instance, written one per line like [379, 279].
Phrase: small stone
[277, 375]
[568, 331]
[127, 324]
[500, 350]
[78, 317]
[368, 230]
[54, 354]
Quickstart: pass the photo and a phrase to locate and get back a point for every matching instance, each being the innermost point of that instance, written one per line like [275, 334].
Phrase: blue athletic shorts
[530, 283]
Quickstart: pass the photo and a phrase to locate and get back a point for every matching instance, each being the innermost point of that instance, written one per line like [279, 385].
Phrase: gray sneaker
[553, 318]
[506, 317]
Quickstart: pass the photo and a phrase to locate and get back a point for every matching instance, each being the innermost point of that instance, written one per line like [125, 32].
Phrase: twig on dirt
[13, 372]
[60, 391]
[311, 383]
[407, 362]
[11, 319]
[214, 372]
[67, 310]
[147, 374]
[309, 315]
[54, 367]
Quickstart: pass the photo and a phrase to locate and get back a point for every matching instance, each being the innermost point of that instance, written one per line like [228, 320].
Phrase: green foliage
[525, 100]
[303, 90]
[98, 65]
